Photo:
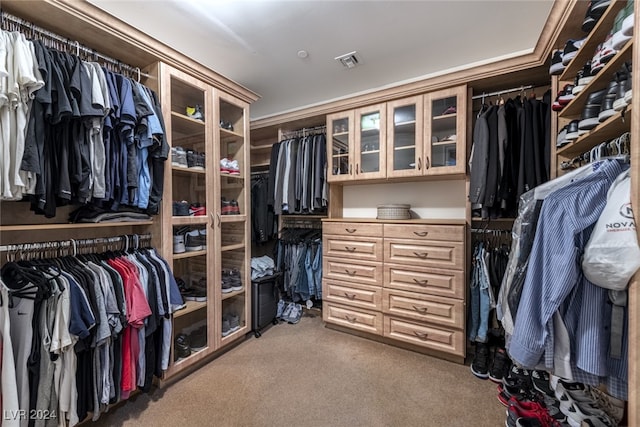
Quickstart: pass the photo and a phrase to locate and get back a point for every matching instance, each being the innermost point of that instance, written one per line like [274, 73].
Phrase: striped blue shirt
[554, 280]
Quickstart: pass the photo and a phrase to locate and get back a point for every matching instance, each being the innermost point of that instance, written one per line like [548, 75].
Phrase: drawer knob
[422, 255]
[350, 319]
[350, 230]
[421, 310]
[350, 273]
[422, 335]
[421, 282]
[350, 297]
[421, 233]
[350, 249]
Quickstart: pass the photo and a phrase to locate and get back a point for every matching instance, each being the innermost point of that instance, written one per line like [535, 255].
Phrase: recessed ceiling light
[303, 53]
[348, 60]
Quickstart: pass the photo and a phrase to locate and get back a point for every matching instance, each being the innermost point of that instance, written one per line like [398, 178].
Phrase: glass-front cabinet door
[340, 134]
[404, 137]
[445, 131]
[370, 142]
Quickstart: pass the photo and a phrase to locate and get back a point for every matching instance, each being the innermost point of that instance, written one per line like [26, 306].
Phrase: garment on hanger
[263, 220]
[563, 321]
[75, 132]
[299, 258]
[85, 330]
[508, 154]
[299, 173]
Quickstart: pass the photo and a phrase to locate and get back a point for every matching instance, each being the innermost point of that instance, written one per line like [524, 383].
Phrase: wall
[431, 199]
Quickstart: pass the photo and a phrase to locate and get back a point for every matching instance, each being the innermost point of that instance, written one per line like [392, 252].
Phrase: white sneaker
[577, 413]
[233, 168]
[224, 165]
[627, 26]
[178, 244]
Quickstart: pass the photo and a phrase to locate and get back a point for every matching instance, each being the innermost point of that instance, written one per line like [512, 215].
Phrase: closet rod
[303, 130]
[501, 92]
[129, 238]
[70, 43]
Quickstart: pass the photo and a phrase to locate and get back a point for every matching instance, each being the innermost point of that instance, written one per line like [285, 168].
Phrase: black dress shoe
[589, 118]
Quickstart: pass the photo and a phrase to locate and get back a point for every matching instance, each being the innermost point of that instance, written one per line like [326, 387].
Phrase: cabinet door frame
[382, 139]
[418, 137]
[460, 92]
[349, 116]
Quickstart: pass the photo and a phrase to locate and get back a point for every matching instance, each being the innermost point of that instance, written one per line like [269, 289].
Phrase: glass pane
[370, 142]
[404, 137]
[443, 132]
[340, 147]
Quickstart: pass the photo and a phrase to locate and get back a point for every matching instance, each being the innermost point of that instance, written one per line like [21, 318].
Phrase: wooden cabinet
[422, 135]
[200, 235]
[402, 281]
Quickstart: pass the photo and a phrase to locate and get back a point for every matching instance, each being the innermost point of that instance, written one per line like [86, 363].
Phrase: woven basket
[397, 211]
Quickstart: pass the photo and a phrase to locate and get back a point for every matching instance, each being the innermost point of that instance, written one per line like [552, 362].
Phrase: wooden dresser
[401, 282]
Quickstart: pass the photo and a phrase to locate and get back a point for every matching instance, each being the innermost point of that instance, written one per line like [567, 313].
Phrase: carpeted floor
[308, 375]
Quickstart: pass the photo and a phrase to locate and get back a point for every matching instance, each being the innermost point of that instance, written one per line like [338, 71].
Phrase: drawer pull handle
[422, 335]
[422, 255]
[350, 249]
[421, 233]
[421, 310]
[350, 319]
[350, 230]
[350, 297]
[350, 273]
[421, 282]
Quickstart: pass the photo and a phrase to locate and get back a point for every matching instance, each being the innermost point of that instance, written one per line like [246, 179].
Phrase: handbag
[612, 256]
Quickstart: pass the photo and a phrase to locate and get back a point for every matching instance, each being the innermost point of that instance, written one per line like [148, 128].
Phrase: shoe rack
[208, 125]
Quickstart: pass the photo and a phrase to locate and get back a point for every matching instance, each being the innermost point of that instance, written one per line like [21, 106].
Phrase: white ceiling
[255, 42]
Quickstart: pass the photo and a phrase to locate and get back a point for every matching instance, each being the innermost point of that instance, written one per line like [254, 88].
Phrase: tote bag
[612, 255]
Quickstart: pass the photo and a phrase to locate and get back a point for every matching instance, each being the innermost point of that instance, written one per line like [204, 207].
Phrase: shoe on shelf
[179, 157]
[181, 348]
[606, 109]
[627, 23]
[624, 83]
[570, 50]
[566, 94]
[226, 327]
[226, 125]
[224, 165]
[589, 117]
[557, 67]
[194, 240]
[235, 207]
[226, 208]
[619, 39]
[195, 209]
[594, 13]
[583, 78]
[480, 363]
[572, 131]
[561, 140]
[628, 95]
[180, 208]
[450, 110]
[500, 365]
[233, 168]
[198, 339]
[195, 112]
[195, 160]
[197, 292]
[235, 279]
[178, 241]
[227, 286]
[234, 322]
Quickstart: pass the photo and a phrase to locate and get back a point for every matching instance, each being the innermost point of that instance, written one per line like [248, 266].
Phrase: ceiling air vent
[348, 60]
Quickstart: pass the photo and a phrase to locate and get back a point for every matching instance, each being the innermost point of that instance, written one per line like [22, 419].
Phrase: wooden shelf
[233, 218]
[189, 254]
[183, 126]
[370, 152]
[611, 128]
[261, 147]
[228, 175]
[407, 123]
[445, 116]
[405, 147]
[187, 171]
[191, 306]
[601, 80]
[435, 144]
[189, 220]
[232, 247]
[71, 226]
[232, 294]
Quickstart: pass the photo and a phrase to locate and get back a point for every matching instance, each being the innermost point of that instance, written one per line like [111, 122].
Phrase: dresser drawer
[446, 340]
[441, 311]
[352, 294]
[364, 272]
[449, 233]
[436, 281]
[425, 254]
[352, 229]
[354, 318]
[365, 248]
